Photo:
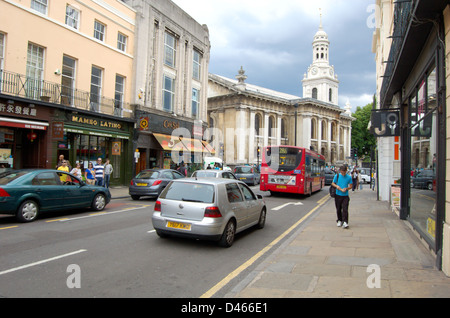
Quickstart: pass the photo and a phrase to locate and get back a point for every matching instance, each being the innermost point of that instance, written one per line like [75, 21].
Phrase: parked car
[27, 193]
[151, 182]
[212, 209]
[423, 180]
[329, 175]
[212, 173]
[365, 175]
[247, 174]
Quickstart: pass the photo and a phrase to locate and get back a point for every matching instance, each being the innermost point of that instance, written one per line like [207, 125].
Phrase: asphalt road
[116, 253]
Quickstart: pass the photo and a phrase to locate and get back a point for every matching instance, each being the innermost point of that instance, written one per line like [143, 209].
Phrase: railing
[22, 86]
[402, 17]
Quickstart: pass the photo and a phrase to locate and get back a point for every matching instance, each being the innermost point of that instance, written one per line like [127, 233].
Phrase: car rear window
[186, 191]
[7, 177]
[243, 170]
[148, 175]
[205, 174]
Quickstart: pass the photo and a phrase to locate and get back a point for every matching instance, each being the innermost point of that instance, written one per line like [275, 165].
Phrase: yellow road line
[8, 227]
[55, 220]
[241, 268]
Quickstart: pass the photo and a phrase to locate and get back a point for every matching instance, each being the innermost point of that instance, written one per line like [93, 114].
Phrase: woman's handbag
[333, 189]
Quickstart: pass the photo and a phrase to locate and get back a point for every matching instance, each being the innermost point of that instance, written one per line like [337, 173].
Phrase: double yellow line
[258, 255]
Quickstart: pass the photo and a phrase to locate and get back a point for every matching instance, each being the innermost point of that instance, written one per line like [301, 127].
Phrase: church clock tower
[320, 82]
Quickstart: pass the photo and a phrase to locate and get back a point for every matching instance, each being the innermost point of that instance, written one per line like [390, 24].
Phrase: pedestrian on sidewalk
[355, 179]
[108, 171]
[343, 183]
[99, 172]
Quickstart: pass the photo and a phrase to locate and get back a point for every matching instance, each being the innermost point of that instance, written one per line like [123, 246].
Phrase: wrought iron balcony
[22, 86]
[402, 19]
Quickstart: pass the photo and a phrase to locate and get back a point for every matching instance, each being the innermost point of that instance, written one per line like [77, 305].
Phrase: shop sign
[385, 123]
[143, 123]
[18, 110]
[96, 122]
[58, 130]
[116, 147]
[171, 124]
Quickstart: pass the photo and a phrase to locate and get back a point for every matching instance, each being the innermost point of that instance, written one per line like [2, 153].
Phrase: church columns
[306, 140]
[266, 129]
[251, 138]
[278, 130]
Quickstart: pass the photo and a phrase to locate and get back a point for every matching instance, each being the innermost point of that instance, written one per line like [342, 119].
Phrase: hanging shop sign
[385, 123]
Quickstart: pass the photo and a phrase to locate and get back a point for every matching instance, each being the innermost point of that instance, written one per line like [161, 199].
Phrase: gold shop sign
[95, 122]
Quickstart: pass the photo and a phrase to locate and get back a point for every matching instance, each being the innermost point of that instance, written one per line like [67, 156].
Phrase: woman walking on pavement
[343, 183]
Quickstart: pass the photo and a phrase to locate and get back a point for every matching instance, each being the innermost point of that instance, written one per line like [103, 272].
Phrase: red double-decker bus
[292, 170]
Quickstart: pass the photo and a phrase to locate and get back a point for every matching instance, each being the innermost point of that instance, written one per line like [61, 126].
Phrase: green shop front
[83, 138]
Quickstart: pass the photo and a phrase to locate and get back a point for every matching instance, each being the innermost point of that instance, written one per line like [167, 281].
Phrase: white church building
[247, 117]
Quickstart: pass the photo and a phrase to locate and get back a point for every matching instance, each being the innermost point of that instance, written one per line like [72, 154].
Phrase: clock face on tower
[331, 72]
[314, 71]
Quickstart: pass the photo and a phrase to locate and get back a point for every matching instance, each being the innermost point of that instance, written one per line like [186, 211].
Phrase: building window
[96, 88]
[168, 93]
[118, 95]
[424, 130]
[313, 129]
[169, 49]
[330, 95]
[195, 102]
[39, 6]
[258, 124]
[99, 31]
[72, 17]
[196, 65]
[35, 70]
[67, 80]
[284, 133]
[271, 126]
[2, 50]
[121, 42]
[314, 93]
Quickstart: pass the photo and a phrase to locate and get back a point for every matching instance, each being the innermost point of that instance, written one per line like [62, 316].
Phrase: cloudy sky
[272, 41]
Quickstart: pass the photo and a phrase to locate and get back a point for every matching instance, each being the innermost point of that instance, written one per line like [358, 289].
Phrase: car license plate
[281, 187]
[141, 184]
[179, 225]
[242, 178]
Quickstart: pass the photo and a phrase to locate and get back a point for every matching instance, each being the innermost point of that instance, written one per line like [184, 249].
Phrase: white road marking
[284, 205]
[41, 262]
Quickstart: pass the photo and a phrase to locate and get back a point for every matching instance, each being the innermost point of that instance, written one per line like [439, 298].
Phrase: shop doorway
[142, 161]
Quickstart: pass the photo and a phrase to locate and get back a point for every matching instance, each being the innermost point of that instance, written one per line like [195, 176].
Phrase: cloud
[272, 40]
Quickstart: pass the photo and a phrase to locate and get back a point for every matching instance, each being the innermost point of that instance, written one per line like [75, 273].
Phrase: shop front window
[424, 119]
[90, 148]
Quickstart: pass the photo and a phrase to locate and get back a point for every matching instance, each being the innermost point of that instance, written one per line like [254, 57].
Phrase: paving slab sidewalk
[323, 260]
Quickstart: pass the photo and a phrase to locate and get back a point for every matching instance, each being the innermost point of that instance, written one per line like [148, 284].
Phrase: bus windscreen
[285, 159]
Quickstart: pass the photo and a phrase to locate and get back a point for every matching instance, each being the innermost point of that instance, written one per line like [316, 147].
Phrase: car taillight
[131, 182]
[157, 207]
[156, 182]
[3, 193]
[212, 212]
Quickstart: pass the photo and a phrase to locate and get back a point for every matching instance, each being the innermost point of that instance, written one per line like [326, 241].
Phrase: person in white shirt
[108, 171]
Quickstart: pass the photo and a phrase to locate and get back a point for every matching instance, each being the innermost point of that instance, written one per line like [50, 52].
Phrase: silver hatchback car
[212, 209]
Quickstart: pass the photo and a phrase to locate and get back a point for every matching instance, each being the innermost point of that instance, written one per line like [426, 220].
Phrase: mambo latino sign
[95, 122]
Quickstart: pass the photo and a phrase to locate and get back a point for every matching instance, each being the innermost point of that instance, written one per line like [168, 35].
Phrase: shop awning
[20, 123]
[170, 143]
[208, 148]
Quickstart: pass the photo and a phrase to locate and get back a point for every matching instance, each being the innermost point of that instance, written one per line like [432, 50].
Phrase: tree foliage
[362, 139]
